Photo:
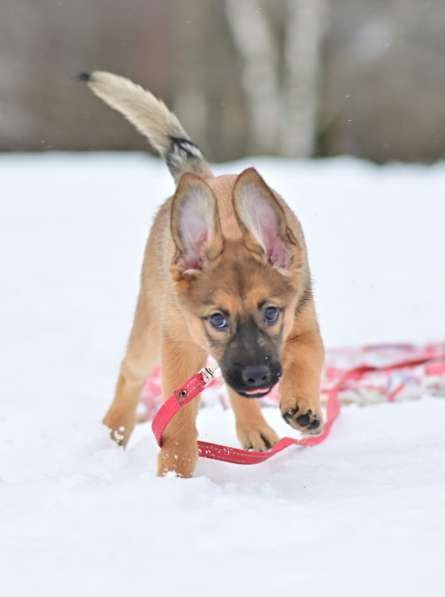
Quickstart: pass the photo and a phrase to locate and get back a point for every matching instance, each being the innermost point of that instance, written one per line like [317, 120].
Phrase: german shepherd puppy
[225, 274]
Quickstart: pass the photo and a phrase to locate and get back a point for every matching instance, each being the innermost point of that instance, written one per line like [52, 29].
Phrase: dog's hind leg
[251, 427]
[141, 357]
[179, 452]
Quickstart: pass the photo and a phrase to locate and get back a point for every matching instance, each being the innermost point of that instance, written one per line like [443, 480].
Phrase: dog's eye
[218, 320]
[271, 315]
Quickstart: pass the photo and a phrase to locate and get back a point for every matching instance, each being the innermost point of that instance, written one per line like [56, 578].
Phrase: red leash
[196, 384]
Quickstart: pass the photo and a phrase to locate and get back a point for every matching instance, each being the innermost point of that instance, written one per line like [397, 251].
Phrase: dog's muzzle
[253, 381]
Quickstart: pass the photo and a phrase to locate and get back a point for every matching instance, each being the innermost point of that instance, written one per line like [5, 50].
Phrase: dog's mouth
[255, 392]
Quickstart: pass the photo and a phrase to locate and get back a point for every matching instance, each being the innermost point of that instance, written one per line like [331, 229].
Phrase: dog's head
[240, 292]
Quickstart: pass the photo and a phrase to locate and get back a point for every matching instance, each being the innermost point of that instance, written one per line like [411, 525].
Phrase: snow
[363, 512]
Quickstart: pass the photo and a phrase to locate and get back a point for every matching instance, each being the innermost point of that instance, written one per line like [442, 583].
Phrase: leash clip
[208, 375]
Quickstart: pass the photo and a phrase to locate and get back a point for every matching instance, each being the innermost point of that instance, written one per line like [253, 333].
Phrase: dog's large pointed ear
[263, 220]
[195, 225]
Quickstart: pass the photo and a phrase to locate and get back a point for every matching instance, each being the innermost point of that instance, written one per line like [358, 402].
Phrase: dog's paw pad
[308, 422]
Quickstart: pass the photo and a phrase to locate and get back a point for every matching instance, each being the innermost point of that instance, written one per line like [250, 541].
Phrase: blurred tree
[305, 28]
[382, 95]
[259, 54]
[191, 101]
[289, 77]
[44, 44]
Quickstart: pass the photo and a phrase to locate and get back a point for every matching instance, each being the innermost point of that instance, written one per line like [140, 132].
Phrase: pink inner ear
[261, 219]
[193, 256]
[277, 252]
[194, 224]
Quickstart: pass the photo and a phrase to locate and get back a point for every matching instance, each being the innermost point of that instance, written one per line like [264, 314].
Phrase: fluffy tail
[153, 119]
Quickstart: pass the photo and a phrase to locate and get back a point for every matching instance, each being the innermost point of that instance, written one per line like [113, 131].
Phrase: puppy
[225, 274]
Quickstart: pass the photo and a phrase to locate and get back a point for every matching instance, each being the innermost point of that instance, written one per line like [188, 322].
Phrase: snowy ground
[362, 513]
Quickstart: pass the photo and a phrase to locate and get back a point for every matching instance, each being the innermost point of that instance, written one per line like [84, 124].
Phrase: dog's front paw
[303, 415]
[256, 435]
[177, 459]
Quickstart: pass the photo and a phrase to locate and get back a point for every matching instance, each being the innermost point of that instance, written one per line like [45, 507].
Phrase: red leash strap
[194, 386]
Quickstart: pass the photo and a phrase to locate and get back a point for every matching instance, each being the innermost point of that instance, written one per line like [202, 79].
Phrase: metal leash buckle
[208, 375]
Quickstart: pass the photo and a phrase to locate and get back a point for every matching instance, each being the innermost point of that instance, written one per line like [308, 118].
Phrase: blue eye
[218, 321]
[271, 315]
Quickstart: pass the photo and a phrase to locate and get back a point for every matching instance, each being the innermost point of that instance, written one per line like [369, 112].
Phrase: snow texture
[362, 514]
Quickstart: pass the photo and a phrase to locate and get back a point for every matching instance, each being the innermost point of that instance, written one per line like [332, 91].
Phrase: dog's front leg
[303, 357]
[251, 427]
[179, 452]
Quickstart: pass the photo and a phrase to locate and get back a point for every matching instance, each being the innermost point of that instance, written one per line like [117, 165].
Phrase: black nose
[256, 376]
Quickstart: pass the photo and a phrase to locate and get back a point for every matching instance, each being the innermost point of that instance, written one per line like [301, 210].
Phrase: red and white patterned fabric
[381, 383]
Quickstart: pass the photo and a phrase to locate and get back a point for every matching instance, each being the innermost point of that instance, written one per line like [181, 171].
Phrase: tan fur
[169, 327]
[148, 114]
